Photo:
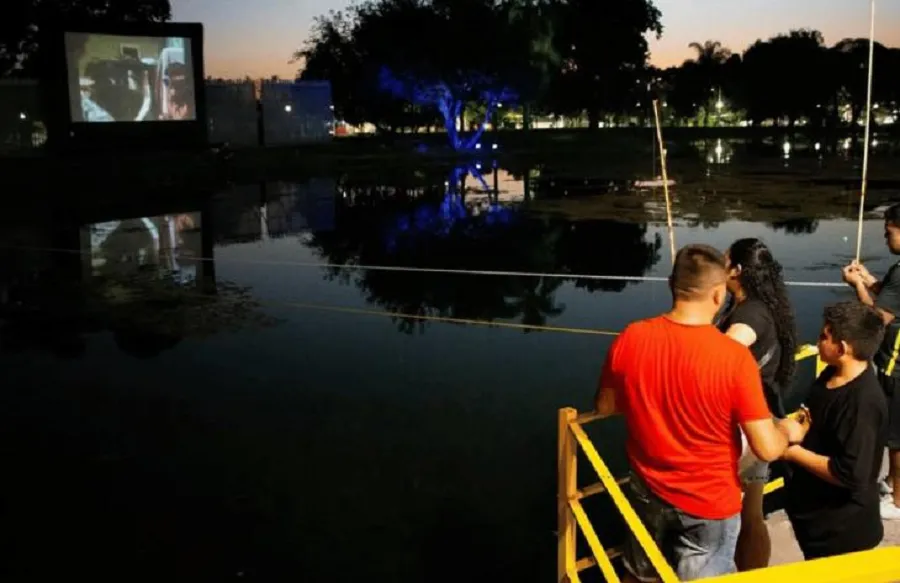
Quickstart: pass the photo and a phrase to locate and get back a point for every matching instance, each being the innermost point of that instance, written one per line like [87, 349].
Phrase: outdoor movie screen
[129, 78]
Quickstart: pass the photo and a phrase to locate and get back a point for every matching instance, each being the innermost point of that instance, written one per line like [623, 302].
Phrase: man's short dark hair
[860, 326]
[697, 269]
[892, 215]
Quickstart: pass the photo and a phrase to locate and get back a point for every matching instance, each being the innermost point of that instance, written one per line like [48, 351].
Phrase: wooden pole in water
[867, 133]
[665, 179]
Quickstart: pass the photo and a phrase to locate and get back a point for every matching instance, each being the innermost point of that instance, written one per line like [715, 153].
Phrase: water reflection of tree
[442, 234]
[795, 226]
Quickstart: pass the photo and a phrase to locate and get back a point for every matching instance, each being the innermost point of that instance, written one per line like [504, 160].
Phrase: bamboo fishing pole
[867, 134]
[665, 178]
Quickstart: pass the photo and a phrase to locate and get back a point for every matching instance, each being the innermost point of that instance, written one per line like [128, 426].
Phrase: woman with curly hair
[759, 316]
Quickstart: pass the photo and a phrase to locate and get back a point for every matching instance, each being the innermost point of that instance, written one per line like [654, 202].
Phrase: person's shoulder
[868, 392]
[644, 326]
[893, 273]
[640, 332]
[752, 309]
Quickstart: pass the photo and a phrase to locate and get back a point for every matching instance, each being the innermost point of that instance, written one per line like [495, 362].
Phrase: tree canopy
[415, 63]
[23, 21]
[451, 53]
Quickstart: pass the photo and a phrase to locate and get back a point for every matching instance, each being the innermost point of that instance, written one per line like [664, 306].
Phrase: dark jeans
[695, 547]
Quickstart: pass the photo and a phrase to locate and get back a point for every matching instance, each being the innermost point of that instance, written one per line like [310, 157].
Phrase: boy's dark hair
[892, 215]
[856, 324]
[697, 269]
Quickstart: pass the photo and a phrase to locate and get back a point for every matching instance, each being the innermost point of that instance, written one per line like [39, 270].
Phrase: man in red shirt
[684, 389]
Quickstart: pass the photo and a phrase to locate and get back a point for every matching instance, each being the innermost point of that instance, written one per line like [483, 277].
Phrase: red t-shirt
[683, 391]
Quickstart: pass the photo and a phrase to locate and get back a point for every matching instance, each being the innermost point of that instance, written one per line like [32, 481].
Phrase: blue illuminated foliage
[450, 99]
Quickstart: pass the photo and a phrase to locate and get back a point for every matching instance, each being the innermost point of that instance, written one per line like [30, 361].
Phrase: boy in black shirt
[833, 498]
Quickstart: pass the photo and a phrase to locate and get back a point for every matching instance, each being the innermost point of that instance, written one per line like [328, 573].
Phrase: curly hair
[761, 279]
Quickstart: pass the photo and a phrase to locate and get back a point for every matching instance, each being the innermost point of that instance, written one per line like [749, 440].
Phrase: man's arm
[884, 296]
[857, 433]
[871, 282]
[867, 297]
[605, 401]
[768, 439]
[817, 465]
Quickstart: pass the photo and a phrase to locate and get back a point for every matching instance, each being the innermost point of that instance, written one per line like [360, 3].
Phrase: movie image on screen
[129, 78]
[168, 245]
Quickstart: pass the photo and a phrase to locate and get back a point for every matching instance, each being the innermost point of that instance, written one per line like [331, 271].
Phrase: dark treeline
[402, 64]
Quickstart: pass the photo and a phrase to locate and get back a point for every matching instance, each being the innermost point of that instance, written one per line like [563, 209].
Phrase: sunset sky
[257, 38]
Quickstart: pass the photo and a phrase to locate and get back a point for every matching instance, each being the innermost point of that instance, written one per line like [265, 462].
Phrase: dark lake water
[258, 407]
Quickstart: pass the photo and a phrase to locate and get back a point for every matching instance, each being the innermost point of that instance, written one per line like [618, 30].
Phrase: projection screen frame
[66, 135]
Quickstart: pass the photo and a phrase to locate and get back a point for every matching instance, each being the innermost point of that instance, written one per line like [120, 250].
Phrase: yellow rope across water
[448, 319]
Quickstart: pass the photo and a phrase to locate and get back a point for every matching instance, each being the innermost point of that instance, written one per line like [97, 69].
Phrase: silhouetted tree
[24, 20]
[710, 53]
[604, 54]
[787, 76]
[850, 58]
[571, 57]
[698, 84]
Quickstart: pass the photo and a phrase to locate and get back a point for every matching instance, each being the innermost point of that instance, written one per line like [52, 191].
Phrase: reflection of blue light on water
[423, 217]
[447, 217]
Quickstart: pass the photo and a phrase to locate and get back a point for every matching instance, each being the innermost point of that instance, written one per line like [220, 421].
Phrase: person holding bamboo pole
[884, 296]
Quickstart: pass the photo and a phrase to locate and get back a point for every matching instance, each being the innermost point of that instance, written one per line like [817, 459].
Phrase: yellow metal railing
[875, 566]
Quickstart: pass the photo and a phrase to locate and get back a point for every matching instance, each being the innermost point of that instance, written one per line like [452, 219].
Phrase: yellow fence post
[567, 488]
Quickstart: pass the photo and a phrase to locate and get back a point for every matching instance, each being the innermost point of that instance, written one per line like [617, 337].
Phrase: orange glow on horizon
[269, 65]
[259, 42]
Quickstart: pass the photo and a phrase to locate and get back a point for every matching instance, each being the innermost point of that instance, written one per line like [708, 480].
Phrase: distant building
[21, 116]
[296, 112]
[232, 112]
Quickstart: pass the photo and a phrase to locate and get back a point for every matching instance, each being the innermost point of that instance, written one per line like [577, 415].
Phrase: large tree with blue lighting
[432, 58]
[466, 52]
